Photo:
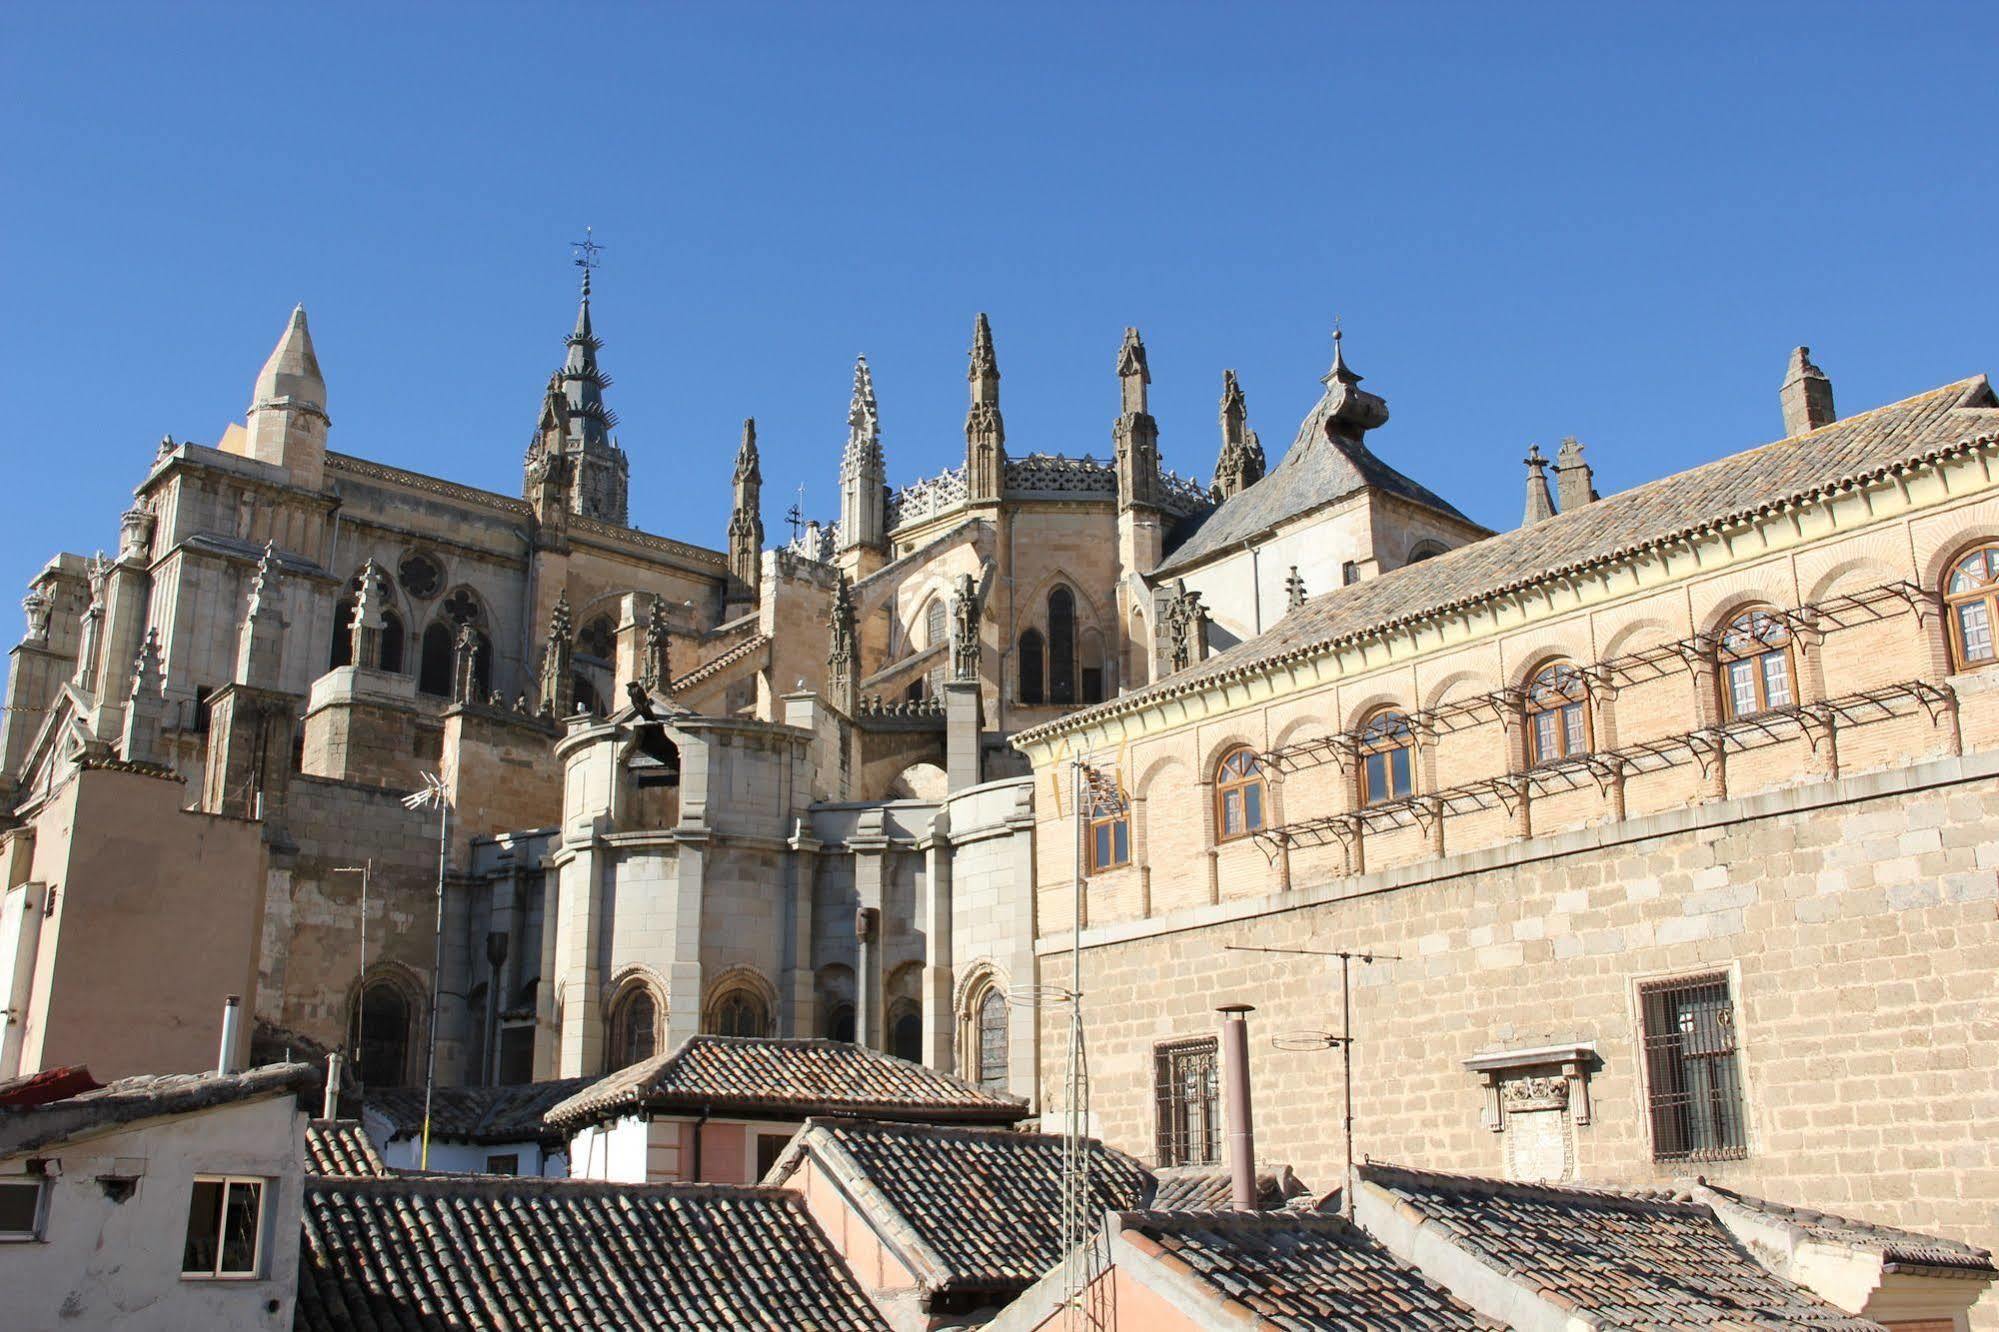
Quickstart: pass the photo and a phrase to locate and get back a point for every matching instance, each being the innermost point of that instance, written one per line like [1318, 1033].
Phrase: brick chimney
[1806, 395]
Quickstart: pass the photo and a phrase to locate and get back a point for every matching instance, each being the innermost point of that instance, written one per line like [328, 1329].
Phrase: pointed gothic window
[343, 635]
[634, 1030]
[392, 641]
[1032, 650]
[1061, 646]
[936, 628]
[739, 1013]
[992, 1017]
[433, 671]
[379, 1035]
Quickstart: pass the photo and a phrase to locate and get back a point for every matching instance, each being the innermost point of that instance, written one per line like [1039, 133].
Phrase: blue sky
[1608, 221]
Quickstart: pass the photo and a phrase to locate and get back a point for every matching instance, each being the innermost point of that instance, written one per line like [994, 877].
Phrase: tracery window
[1557, 713]
[1755, 665]
[992, 1045]
[1387, 758]
[1031, 652]
[1240, 794]
[1061, 646]
[634, 1034]
[739, 1013]
[1109, 831]
[433, 668]
[1971, 598]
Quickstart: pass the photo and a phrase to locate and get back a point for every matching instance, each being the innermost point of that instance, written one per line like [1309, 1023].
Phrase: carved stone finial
[465, 665]
[1540, 503]
[38, 605]
[1294, 590]
[558, 685]
[369, 617]
[1186, 627]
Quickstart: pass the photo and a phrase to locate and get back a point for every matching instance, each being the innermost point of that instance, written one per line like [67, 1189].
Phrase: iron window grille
[1693, 1079]
[1189, 1103]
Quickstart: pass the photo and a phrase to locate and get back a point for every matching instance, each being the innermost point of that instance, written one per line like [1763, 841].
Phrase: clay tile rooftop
[1642, 1260]
[784, 1079]
[485, 1254]
[338, 1147]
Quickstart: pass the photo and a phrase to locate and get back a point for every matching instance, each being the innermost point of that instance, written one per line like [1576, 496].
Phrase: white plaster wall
[103, 1264]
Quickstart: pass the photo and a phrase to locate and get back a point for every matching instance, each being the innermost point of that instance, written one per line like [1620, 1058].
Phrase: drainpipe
[699, 1125]
[1235, 1076]
[232, 1021]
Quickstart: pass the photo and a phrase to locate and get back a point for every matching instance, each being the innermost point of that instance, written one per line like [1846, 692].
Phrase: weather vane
[586, 250]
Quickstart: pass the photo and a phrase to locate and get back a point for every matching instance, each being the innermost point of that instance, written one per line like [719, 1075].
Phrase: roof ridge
[1635, 1199]
[440, 1182]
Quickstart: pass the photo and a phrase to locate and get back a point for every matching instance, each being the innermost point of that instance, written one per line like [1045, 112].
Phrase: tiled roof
[1895, 1247]
[785, 1079]
[149, 1096]
[475, 1114]
[483, 1254]
[1632, 1260]
[340, 1147]
[973, 1209]
[1298, 1270]
[1716, 496]
[1210, 1188]
[51, 1084]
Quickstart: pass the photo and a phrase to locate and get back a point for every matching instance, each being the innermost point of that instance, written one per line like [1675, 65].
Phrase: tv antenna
[1326, 1040]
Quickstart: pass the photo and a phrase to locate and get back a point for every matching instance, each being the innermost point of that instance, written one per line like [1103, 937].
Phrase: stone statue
[965, 629]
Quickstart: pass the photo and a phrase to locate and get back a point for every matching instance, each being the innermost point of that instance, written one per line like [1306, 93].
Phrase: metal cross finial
[586, 250]
[795, 515]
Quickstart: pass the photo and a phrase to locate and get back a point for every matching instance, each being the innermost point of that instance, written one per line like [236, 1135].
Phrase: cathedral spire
[746, 524]
[1135, 437]
[1240, 464]
[599, 473]
[863, 472]
[985, 430]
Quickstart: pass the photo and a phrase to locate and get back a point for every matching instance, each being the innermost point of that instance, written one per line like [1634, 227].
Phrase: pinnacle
[292, 371]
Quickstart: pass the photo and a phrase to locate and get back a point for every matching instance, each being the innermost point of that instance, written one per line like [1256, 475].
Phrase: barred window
[1755, 665]
[1189, 1103]
[1693, 1082]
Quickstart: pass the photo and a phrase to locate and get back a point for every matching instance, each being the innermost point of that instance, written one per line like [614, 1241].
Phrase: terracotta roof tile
[1717, 495]
[476, 1114]
[340, 1147]
[148, 1096]
[487, 1254]
[977, 1209]
[1211, 1188]
[1299, 1270]
[1630, 1259]
[1892, 1245]
[785, 1079]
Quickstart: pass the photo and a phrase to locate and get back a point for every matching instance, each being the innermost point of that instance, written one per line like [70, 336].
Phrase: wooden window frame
[1558, 705]
[1754, 645]
[1377, 741]
[1240, 781]
[1983, 593]
[1109, 814]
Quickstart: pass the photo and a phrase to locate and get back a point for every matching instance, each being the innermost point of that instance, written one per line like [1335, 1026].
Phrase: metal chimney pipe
[330, 1107]
[1235, 1092]
[232, 1021]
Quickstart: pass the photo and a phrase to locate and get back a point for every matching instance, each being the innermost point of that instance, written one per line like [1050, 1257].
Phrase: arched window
[840, 1023]
[1109, 832]
[634, 1035]
[1971, 594]
[433, 668]
[1240, 795]
[905, 1031]
[1557, 713]
[586, 697]
[1031, 652]
[1755, 665]
[936, 624]
[739, 1012]
[1387, 751]
[1061, 646]
[992, 1040]
[379, 1035]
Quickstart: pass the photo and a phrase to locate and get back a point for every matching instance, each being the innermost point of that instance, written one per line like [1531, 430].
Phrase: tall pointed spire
[985, 429]
[599, 472]
[746, 523]
[1240, 464]
[863, 471]
[1135, 436]
[1540, 504]
[287, 420]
